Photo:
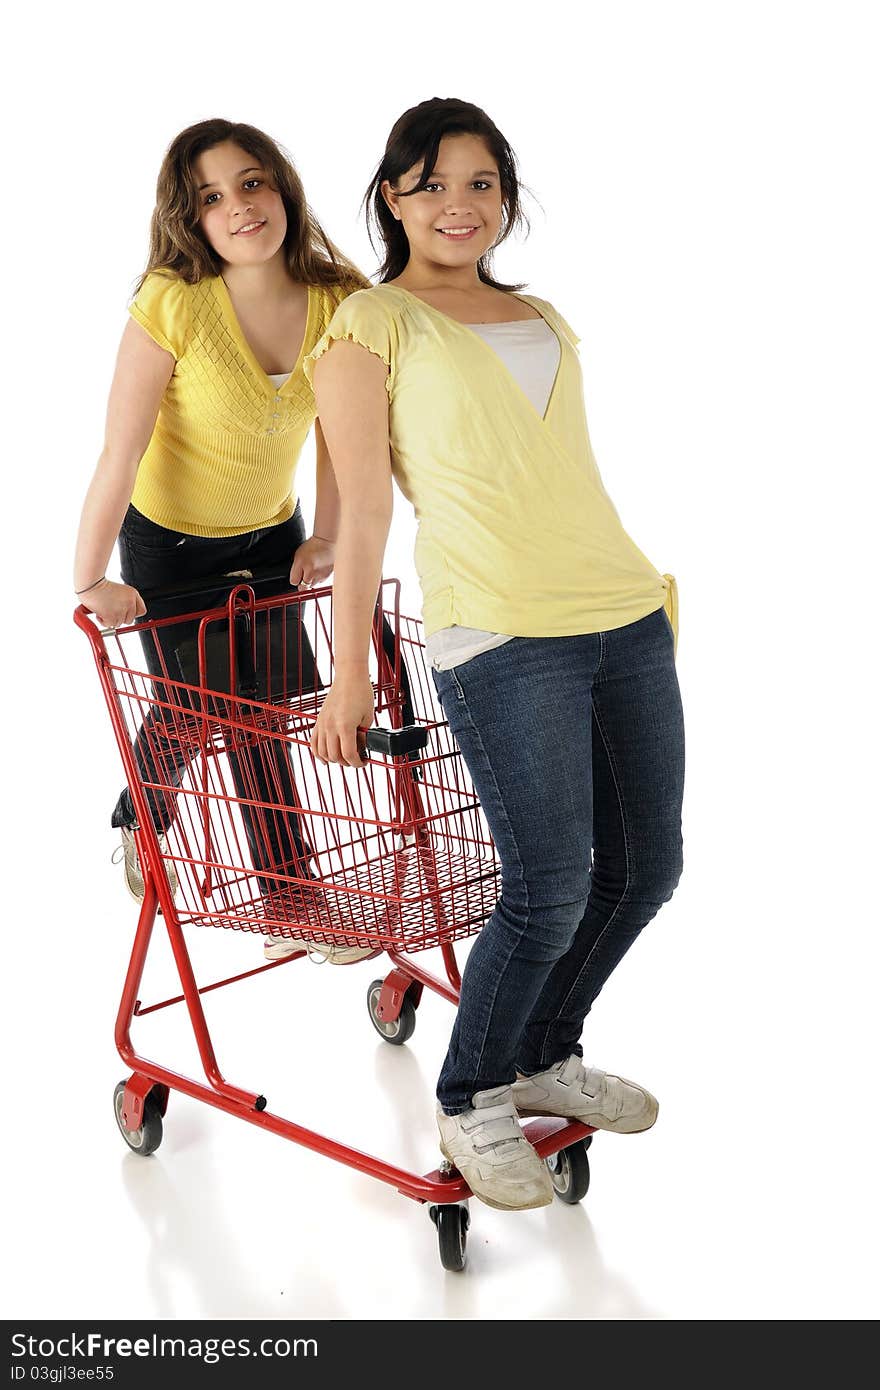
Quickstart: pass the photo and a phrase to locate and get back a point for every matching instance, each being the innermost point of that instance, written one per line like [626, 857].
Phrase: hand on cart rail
[340, 729]
[115, 605]
[313, 562]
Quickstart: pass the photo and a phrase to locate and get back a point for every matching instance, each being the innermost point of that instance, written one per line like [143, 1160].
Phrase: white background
[707, 177]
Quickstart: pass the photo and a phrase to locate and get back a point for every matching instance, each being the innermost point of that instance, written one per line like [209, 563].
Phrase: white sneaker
[575, 1092]
[489, 1149]
[134, 879]
[280, 947]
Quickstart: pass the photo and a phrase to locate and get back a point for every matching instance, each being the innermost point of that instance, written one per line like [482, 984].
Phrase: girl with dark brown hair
[550, 634]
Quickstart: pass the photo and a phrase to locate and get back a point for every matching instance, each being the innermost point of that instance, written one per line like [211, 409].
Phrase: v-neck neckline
[468, 328]
[245, 347]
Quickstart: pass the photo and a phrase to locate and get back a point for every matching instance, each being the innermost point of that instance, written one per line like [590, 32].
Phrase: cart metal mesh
[213, 714]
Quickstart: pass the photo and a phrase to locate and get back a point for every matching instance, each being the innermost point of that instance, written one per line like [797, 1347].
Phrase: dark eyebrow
[480, 174]
[253, 168]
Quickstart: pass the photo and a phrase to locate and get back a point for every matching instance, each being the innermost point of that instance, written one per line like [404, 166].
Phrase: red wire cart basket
[238, 826]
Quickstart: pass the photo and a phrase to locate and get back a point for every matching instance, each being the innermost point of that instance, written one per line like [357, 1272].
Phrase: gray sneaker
[494, 1157]
[575, 1092]
[134, 879]
[280, 947]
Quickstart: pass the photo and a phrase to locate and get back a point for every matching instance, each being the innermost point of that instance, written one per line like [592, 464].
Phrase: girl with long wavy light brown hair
[207, 416]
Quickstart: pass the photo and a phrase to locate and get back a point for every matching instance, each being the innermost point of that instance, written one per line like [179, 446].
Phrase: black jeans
[153, 557]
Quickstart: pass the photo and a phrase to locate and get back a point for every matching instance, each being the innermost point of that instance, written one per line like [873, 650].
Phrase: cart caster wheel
[452, 1224]
[570, 1172]
[402, 1028]
[147, 1139]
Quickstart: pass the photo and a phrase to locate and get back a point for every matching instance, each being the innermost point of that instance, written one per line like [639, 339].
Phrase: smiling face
[241, 215]
[456, 218]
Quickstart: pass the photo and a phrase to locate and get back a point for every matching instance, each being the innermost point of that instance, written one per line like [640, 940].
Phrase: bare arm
[143, 371]
[314, 560]
[327, 493]
[353, 406]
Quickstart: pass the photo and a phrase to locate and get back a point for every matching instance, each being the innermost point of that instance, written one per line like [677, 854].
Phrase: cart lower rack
[239, 827]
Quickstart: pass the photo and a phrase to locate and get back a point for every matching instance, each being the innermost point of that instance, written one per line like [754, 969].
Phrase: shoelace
[119, 852]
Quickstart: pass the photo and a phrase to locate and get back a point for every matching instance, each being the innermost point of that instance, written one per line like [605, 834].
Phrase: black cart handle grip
[397, 743]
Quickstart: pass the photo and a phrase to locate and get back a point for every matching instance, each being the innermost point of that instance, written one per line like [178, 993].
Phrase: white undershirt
[530, 351]
[278, 378]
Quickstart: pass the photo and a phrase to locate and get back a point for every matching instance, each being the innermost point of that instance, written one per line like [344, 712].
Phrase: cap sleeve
[567, 328]
[361, 318]
[553, 317]
[161, 307]
[552, 313]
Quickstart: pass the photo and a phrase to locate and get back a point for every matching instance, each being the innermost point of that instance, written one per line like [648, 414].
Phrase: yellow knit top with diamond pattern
[224, 450]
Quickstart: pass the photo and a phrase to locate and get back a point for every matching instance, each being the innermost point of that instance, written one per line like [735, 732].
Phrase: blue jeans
[576, 748]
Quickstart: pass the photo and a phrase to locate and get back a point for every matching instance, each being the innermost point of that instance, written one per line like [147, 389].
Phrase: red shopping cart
[240, 827]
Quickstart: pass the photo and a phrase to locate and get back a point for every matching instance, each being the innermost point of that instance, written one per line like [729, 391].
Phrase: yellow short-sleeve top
[224, 450]
[516, 533]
